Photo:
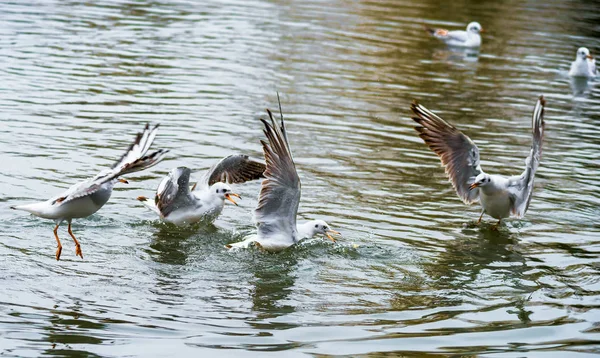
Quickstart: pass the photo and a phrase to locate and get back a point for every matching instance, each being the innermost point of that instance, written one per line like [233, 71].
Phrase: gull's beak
[589, 57]
[482, 30]
[329, 232]
[123, 181]
[229, 195]
[473, 186]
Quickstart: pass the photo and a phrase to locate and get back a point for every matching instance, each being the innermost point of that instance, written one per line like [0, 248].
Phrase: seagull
[176, 203]
[584, 64]
[279, 197]
[469, 38]
[499, 196]
[85, 198]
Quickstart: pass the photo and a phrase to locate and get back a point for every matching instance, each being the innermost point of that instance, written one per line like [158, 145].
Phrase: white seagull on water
[469, 38]
[584, 64]
[176, 203]
[280, 196]
[499, 196]
[85, 198]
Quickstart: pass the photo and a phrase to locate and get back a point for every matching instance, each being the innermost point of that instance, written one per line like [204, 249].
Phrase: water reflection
[171, 244]
[580, 86]
[273, 279]
[457, 54]
[461, 262]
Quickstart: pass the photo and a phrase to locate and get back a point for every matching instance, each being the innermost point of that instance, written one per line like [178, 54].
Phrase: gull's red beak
[229, 195]
[123, 181]
[329, 232]
[590, 57]
[473, 186]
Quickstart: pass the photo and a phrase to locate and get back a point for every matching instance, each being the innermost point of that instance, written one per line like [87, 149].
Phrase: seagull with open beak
[175, 202]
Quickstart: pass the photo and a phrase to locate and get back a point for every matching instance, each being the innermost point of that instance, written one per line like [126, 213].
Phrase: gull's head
[474, 27]
[481, 180]
[583, 53]
[320, 227]
[224, 192]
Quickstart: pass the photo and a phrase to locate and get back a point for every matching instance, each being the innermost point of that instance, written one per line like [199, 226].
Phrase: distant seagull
[85, 198]
[176, 203]
[459, 38]
[499, 196]
[584, 64]
[279, 197]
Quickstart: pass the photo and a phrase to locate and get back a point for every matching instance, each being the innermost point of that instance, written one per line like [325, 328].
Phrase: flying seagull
[279, 196]
[176, 203]
[499, 196]
[85, 198]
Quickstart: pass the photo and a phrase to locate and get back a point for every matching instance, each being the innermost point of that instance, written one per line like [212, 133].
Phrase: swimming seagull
[279, 197]
[459, 38]
[499, 196]
[584, 64]
[85, 198]
[175, 203]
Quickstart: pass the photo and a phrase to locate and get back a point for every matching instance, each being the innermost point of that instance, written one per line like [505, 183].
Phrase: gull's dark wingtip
[429, 29]
[13, 207]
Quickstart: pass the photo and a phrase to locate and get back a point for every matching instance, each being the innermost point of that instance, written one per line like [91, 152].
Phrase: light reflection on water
[412, 273]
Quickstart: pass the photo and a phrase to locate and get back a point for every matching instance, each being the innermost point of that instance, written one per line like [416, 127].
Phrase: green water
[412, 275]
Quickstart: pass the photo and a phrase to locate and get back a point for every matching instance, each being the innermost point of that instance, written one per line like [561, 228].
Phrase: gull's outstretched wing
[174, 192]
[458, 153]
[134, 159]
[139, 147]
[234, 169]
[280, 192]
[521, 187]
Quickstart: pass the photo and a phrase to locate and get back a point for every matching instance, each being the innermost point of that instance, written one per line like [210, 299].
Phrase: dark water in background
[411, 275]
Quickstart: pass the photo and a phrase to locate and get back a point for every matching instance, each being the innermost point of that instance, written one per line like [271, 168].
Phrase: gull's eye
[316, 226]
[217, 191]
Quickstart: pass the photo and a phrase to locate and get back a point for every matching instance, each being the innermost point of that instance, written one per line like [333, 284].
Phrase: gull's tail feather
[37, 209]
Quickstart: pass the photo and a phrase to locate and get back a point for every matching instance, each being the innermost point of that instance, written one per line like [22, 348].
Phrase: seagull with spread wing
[499, 196]
[280, 196]
[85, 198]
[176, 203]
[459, 38]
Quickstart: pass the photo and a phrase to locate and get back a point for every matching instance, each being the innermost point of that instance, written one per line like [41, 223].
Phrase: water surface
[412, 274]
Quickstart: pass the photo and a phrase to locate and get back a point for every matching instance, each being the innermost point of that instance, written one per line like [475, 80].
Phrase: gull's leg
[479, 221]
[59, 246]
[77, 246]
[495, 227]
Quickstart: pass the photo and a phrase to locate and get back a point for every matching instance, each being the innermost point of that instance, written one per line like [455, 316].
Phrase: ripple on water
[412, 274]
